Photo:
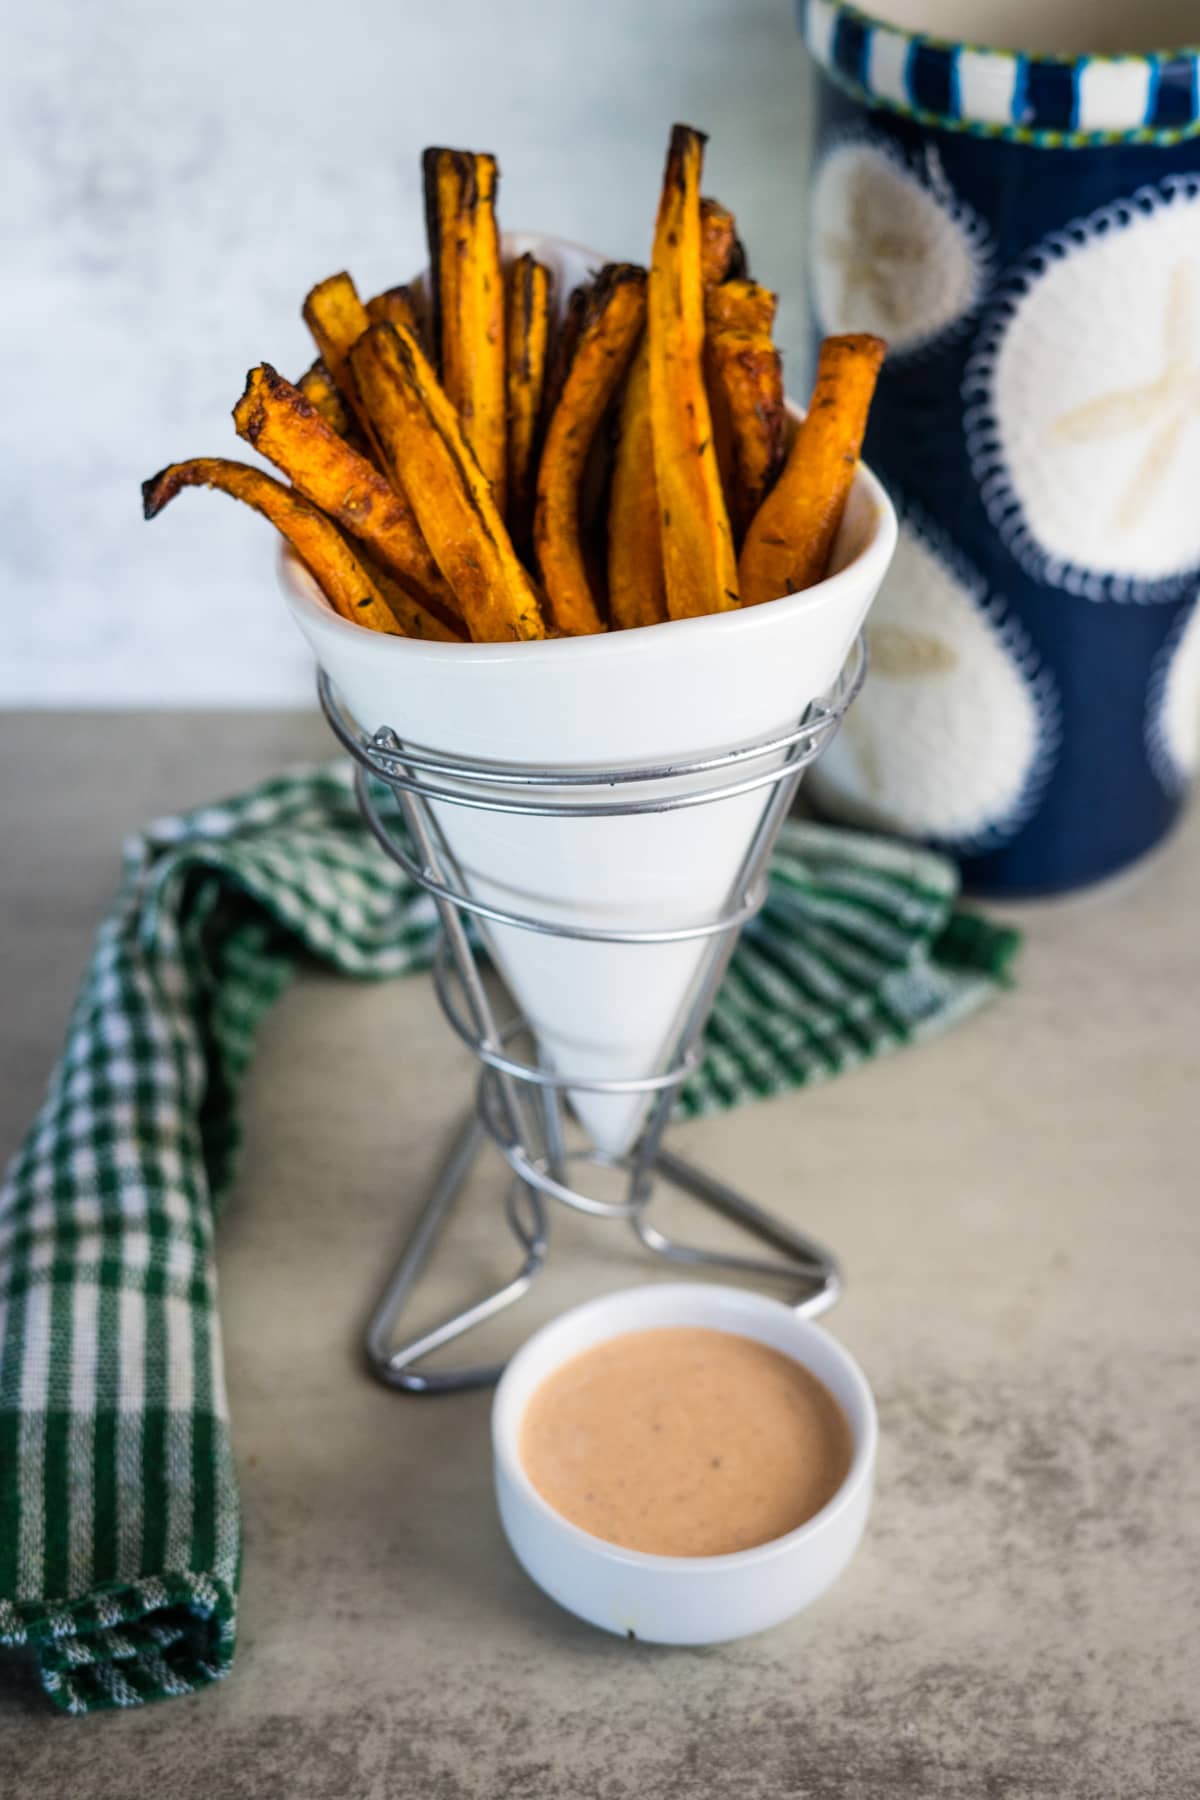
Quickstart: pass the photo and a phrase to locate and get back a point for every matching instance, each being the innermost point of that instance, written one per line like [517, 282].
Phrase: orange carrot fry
[419, 433]
[698, 553]
[528, 327]
[467, 285]
[789, 542]
[318, 543]
[614, 321]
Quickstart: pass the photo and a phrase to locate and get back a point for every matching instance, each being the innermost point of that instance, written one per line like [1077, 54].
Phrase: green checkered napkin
[120, 1541]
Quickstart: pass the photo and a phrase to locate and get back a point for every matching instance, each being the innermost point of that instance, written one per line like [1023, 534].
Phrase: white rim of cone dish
[868, 502]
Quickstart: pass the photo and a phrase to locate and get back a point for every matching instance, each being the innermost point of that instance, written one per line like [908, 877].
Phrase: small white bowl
[681, 1599]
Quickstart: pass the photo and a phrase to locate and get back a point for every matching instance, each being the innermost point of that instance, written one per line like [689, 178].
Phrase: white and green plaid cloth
[120, 1541]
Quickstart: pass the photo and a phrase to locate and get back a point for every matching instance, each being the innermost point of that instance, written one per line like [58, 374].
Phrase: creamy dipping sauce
[685, 1441]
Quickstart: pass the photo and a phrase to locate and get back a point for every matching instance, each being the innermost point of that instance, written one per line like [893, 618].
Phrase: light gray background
[175, 178]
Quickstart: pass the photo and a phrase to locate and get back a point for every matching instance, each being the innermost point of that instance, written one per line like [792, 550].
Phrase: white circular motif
[894, 251]
[954, 735]
[1085, 432]
[1173, 705]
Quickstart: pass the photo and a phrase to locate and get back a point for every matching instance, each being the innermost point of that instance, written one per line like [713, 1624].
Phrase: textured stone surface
[176, 179]
[1016, 1207]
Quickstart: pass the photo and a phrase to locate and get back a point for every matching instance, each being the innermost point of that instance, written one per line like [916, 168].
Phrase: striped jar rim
[1067, 101]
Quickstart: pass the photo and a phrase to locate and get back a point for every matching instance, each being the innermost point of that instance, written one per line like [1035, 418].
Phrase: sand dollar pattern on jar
[955, 733]
[1051, 433]
[1083, 401]
[893, 248]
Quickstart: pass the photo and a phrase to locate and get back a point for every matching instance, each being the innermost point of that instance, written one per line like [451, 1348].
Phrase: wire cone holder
[520, 1103]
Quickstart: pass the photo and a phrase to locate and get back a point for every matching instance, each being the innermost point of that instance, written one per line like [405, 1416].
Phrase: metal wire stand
[520, 1102]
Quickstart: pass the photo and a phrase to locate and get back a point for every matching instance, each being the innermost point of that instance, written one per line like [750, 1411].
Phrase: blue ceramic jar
[1025, 231]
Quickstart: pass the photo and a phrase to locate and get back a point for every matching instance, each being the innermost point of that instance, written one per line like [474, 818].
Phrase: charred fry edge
[566, 342]
[614, 320]
[789, 542]
[528, 332]
[451, 497]
[435, 237]
[698, 553]
[318, 543]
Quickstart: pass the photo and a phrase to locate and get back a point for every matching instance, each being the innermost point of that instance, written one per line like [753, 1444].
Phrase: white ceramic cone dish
[623, 699]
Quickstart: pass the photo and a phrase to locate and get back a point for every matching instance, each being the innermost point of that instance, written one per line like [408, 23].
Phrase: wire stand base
[406, 794]
[800, 1265]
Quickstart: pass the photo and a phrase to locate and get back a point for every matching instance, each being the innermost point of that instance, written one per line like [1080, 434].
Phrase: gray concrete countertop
[1016, 1205]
